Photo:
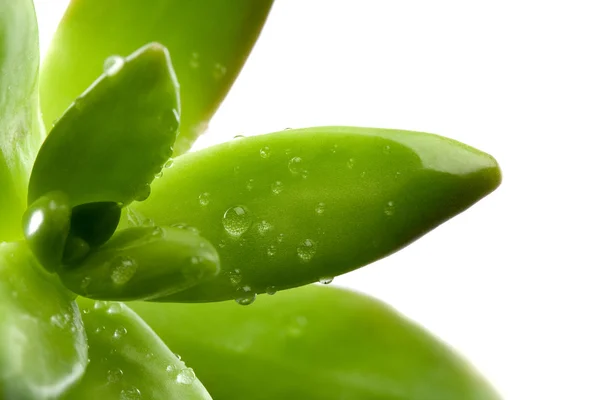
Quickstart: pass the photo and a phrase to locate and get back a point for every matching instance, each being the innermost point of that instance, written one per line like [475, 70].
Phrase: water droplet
[239, 136]
[186, 376]
[363, 174]
[85, 311]
[280, 238]
[171, 368]
[306, 250]
[245, 296]
[222, 244]
[119, 332]
[351, 163]
[115, 308]
[113, 64]
[271, 290]
[235, 277]
[250, 184]
[271, 250]
[204, 199]
[100, 329]
[287, 129]
[326, 280]
[296, 167]
[237, 220]
[142, 193]
[320, 209]
[277, 187]
[389, 209]
[58, 321]
[159, 175]
[123, 269]
[387, 149]
[169, 163]
[131, 393]
[114, 375]
[85, 282]
[263, 227]
[265, 152]
[158, 232]
[100, 305]
[219, 71]
[334, 149]
[398, 174]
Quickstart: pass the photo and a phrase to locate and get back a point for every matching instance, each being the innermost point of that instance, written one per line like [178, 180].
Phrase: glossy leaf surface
[128, 361]
[209, 41]
[116, 137]
[315, 342]
[43, 348]
[143, 263]
[20, 128]
[294, 207]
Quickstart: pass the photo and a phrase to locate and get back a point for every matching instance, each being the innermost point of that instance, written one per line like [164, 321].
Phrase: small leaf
[317, 343]
[20, 128]
[298, 206]
[43, 349]
[209, 41]
[129, 361]
[116, 137]
[143, 263]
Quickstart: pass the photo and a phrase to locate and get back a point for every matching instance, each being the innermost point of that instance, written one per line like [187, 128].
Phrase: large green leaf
[114, 138]
[209, 41]
[43, 349]
[294, 207]
[316, 343]
[20, 128]
[128, 361]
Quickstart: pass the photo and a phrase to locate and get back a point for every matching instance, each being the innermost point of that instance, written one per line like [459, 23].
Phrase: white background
[512, 282]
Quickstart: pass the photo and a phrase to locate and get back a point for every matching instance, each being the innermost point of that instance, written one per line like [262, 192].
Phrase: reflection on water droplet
[296, 167]
[245, 296]
[351, 163]
[171, 368]
[186, 376]
[235, 277]
[320, 209]
[306, 250]
[237, 220]
[277, 187]
[158, 232]
[100, 329]
[271, 290]
[204, 199]
[119, 332]
[387, 149]
[100, 305]
[131, 393]
[239, 137]
[326, 280]
[114, 375]
[280, 238]
[123, 269]
[113, 64]
[169, 163]
[271, 250]
[263, 227]
[159, 175]
[265, 152]
[390, 208]
[115, 308]
[250, 184]
[142, 193]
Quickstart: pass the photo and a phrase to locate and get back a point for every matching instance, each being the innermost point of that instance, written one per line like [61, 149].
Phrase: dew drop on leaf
[277, 187]
[263, 227]
[119, 332]
[245, 296]
[326, 280]
[271, 290]
[307, 250]
[320, 209]
[389, 209]
[114, 375]
[237, 220]
[131, 393]
[265, 152]
[186, 376]
[123, 269]
[113, 64]
[204, 199]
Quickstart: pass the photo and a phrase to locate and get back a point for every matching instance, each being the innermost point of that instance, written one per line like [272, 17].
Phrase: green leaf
[129, 361]
[116, 137]
[20, 127]
[143, 263]
[43, 349]
[209, 41]
[294, 207]
[316, 343]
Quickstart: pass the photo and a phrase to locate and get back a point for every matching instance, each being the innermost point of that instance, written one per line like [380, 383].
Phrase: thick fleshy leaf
[143, 263]
[20, 128]
[316, 343]
[294, 207]
[209, 41]
[115, 137]
[128, 361]
[43, 349]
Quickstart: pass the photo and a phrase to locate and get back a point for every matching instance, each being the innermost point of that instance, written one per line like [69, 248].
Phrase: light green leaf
[128, 361]
[209, 41]
[43, 349]
[294, 207]
[20, 128]
[316, 343]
